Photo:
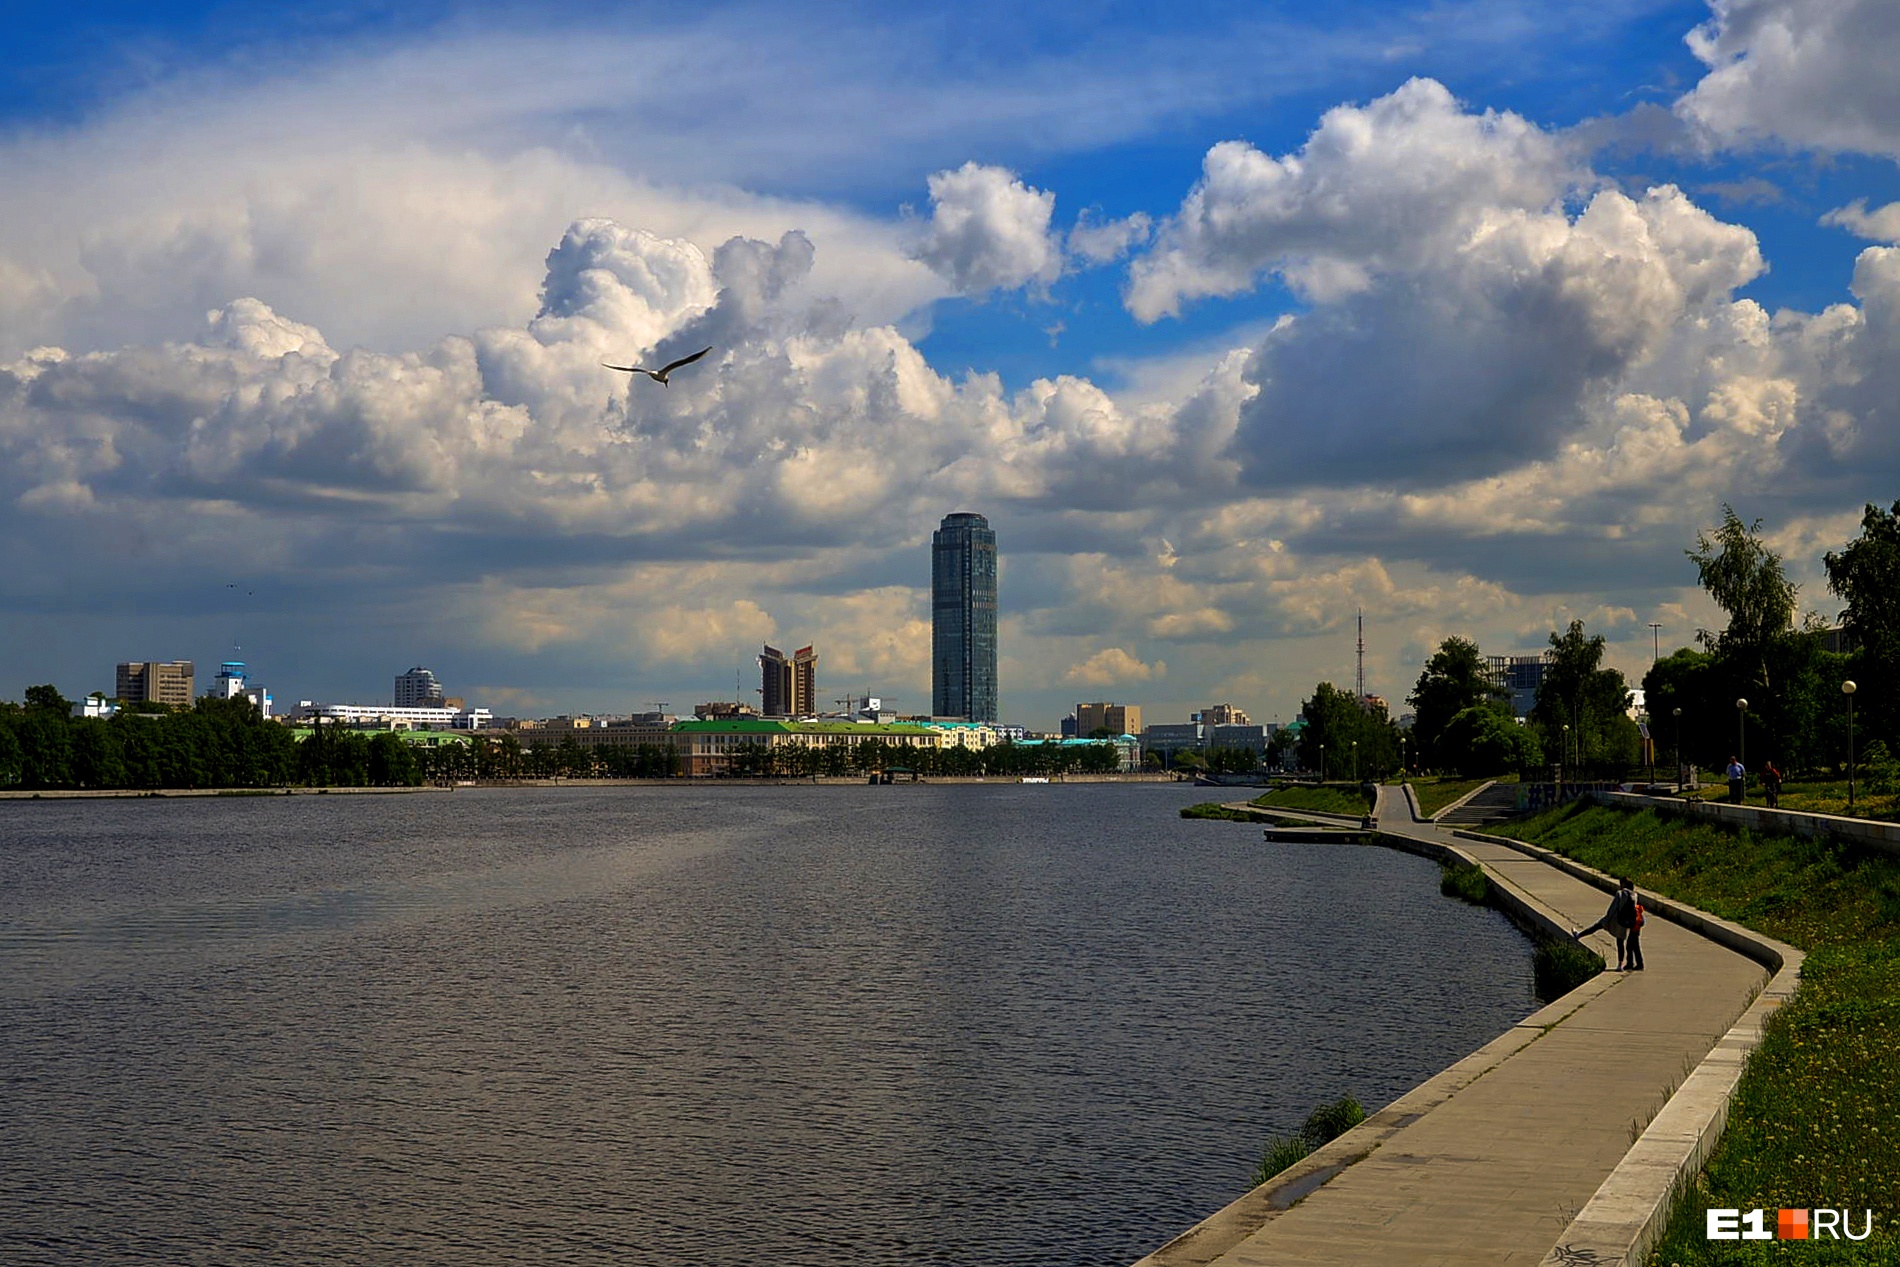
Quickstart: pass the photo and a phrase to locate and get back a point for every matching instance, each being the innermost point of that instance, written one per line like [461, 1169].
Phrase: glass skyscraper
[963, 619]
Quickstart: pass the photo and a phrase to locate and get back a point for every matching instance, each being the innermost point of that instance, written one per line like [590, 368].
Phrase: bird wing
[685, 360]
[627, 369]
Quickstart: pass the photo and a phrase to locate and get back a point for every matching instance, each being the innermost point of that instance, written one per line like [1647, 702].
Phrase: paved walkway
[1490, 1161]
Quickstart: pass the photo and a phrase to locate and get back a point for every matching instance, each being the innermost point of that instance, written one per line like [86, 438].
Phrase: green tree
[47, 699]
[1453, 680]
[392, 762]
[1484, 741]
[1579, 693]
[1335, 722]
[96, 762]
[1865, 575]
[10, 755]
[1745, 579]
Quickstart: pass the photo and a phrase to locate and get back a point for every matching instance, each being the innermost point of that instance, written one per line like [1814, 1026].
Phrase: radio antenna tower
[1362, 657]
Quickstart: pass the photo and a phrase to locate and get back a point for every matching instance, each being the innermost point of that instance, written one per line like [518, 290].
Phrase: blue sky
[1381, 311]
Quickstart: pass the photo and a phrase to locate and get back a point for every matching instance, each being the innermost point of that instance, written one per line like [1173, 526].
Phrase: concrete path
[1490, 1161]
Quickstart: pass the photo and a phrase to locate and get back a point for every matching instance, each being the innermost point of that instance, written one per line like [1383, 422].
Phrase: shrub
[1464, 881]
[1279, 1155]
[1879, 771]
[1323, 1125]
[1214, 809]
[1558, 967]
[1329, 1121]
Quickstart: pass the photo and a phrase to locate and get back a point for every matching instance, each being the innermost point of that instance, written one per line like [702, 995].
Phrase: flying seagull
[659, 375]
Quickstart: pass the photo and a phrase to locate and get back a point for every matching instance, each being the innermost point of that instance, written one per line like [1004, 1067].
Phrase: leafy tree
[1484, 741]
[96, 762]
[1231, 760]
[1745, 579]
[392, 762]
[1453, 680]
[47, 699]
[1865, 574]
[1687, 679]
[1334, 722]
[1578, 692]
[10, 755]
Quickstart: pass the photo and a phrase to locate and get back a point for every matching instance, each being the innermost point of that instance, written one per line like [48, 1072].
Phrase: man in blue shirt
[1736, 777]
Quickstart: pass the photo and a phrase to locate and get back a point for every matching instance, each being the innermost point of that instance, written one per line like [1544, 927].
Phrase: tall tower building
[775, 681]
[804, 682]
[418, 689]
[963, 619]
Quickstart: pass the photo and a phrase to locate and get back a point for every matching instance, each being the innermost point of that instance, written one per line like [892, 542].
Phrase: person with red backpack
[1634, 960]
[1621, 922]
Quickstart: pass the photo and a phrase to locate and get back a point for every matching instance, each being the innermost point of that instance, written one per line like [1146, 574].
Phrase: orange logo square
[1792, 1225]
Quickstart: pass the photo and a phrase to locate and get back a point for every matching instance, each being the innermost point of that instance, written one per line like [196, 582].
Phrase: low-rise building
[709, 747]
[1253, 738]
[389, 717]
[233, 682]
[1168, 738]
[595, 732]
[965, 734]
[1117, 719]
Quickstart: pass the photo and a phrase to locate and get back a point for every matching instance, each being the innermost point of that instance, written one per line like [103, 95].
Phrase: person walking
[1617, 922]
[1634, 960]
[1737, 777]
[1771, 784]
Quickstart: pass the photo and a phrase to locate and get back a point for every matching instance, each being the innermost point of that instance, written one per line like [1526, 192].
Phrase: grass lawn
[1816, 1118]
[1327, 798]
[1436, 792]
[1816, 796]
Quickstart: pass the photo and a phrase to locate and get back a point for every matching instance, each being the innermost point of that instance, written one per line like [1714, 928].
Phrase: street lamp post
[1741, 734]
[1678, 716]
[1848, 688]
[1355, 761]
[1563, 762]
[1322, 763]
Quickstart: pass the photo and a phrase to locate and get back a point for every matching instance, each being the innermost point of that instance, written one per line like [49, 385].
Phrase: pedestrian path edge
[1627, 1214]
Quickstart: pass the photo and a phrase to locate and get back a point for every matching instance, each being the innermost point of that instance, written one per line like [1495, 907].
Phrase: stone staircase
[1494, 804]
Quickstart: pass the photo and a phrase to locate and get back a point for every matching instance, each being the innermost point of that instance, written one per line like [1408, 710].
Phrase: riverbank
[1811, 1123]
[1523, 1150]
[124, 794]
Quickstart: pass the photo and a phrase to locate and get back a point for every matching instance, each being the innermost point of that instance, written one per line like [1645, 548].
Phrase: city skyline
[1471, 318]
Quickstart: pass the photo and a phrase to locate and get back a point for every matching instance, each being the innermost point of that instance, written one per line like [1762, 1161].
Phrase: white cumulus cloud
[988, 230]
[1801, 73]
[1389, 186]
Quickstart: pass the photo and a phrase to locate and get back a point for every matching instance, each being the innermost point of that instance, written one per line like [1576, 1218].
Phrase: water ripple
[981, 1025]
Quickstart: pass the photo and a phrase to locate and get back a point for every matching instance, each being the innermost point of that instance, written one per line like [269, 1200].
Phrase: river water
[977, 1024]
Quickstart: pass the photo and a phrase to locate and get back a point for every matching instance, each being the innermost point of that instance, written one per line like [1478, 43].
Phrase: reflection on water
[982, 1024]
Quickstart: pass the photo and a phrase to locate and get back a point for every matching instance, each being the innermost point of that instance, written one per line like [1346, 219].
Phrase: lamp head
[1848, 687]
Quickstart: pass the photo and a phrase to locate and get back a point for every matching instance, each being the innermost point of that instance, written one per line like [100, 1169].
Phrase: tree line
[1766, 686]
[226, 743]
